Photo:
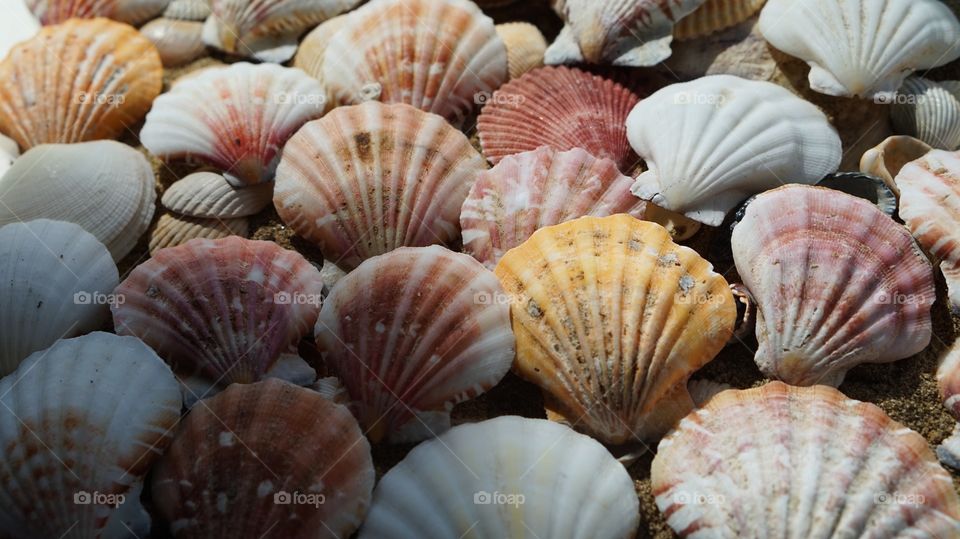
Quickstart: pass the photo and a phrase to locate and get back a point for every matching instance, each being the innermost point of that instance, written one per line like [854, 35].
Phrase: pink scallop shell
[561, 107]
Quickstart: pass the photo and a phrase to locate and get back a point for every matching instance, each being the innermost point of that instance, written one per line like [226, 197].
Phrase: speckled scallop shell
[561, 107]
[81, 424]
[104, 186]
[369, 178]
[887, 159]
[410, 334]
[55, 281]
[128, 11]
[505, 477]
[531, 190]
[242, 131]
[265, 460]
[437, 55]
[780, 461]
[930, 206]
[837, 283]
[224, 310]
[862, 48]
[929, 111]
[178, 42]
[619, 32]
[77, 81]
[711, 143]
[210, 195]
[714, 16]
[948, 381]
[267, 30]
[611, 319]
[174, 229]
[525, 46]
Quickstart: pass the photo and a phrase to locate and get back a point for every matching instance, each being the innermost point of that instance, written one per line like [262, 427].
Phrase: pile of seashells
[477, 199]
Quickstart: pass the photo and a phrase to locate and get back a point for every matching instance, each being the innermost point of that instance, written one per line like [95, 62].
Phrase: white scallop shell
[187, 10]
[929, 111]
[16, 25]
[862, 48]
[178, 42]
[505, 477]
[82, 422]
[713, 142]
[104, 186]
[55, 282]
[210, 195]
[9, 151]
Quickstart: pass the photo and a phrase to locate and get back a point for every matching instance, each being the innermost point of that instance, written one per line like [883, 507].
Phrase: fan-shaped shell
[77, 81]
[437, 55]
[525, 46]
[241, 132]
[312, 49]
[611, 319]
[713, 142]
[531, 190]
[837, 283]
[173, 229]
[862, 47]
[561, 107]
[887, 159]
[55, 280]
[369, 178]
[81, 424]
[930, 206]
[267, 30]
[104, 186]
[413, 332]
[187, 10]
[929, 111]
[263, 460]
[128, 11]
[222, 309]
[618, 32]
[715, 15]
[506, 477]
[178, 42]
[205, 194]
[781, 461]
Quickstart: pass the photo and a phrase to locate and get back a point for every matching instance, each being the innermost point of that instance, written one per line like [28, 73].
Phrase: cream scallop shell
[210, 195]
[778, 461]
[525, 46]
[104, 186]
[437, 55]
[711, 143]
[312, 49]
[714, 16]
[862, 48]
[173, 229]
[929, 111]
[178, 42]
[129, 11]
[187, 10]
[885, 160]
[81, 424]
[505, 477]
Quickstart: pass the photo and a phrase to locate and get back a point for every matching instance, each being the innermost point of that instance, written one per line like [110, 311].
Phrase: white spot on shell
[226, 439]
[264, 489]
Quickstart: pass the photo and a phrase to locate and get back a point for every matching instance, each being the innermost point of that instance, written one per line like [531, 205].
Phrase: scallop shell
[837, 283]
[619, 32]
[862, 48]
[531, 190]
[413, 332]
[267, 30]
[715, 15]
[311, 51]
[948, 381]
[440, 56]
[221, 309]
[611, 319]
[780, 461]
[173, 229]
[8, 154]
[77, 81]
[81, 424]
[525, 46]
[104, 186]
[187, 10]
[930, 206]
[715, 141]
[55, 280]
[17, 24]
[369, 178]
[242, 132]
[178, 42]
[205, 194]
[506, 477]
[129, 11]
[929, 111]
[886, 160]
[561, 107]
[265, 460]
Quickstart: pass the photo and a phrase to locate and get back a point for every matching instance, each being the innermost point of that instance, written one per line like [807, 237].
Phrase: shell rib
[209, 195]
[531, 190]
[715, 15]
[77, 81]
[525, 46]
[129, 11]
[929, 111]
[436, 55]
[561, 107]
[611, 319]
[780, 461]
[413, 332]
[837, 283]
[506, 477]
[369, 178]
[263, 460]
[887, 159]
[173, 229]
[930, 206]
[862, 48]
[713, 142]
[241, 132]
[221, 309]
[81, 424]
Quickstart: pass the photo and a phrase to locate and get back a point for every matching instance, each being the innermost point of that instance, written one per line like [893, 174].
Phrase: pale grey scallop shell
[929, 111]
[172, 230]
[210, 195]
[178, 42]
